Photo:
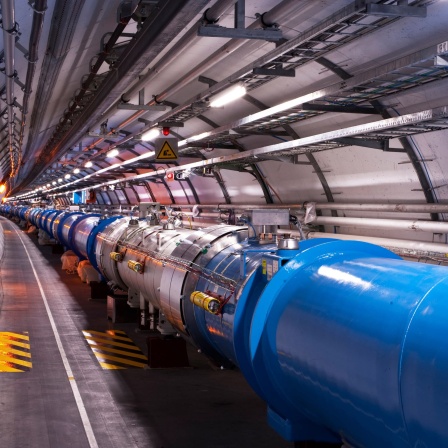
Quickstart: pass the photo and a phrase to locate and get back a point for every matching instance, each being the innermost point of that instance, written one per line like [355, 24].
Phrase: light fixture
[166, 130]
[76, 171]
[152, 133]
[54, 182]
[48, 185]
[67, 176]
[60, 179]
[227, 96]
[88, 164]
[2, 188]
[112, 153]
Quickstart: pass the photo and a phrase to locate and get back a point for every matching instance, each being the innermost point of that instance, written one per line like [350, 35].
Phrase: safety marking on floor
[115, 350]
[15, 353]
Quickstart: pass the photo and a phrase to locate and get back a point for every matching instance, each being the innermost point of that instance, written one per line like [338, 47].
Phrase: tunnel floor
[55, 393]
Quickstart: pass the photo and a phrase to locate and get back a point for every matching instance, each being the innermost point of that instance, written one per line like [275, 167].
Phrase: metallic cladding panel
[91, 240]
[105, 243]
[79, 233]
[48, 219]
[65, 227]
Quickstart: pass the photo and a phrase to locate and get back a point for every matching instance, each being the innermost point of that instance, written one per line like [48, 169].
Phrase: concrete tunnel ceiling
[346, 103]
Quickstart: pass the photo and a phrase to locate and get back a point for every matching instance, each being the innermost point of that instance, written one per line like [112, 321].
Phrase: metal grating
[344, 26]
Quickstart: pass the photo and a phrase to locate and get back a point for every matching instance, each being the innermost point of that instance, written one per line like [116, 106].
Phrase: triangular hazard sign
[166, 152]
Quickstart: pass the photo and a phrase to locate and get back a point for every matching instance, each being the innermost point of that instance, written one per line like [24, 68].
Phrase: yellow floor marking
[14, 352]
[115, 332]
[14, 335]
[107, 336]
[101, 356]
[107, 366]
[119, 352]
[109, 342]
[10, 360]
[10, 369]
[8, 342]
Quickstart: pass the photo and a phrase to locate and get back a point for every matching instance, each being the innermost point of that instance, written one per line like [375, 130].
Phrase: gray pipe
[418, 247]
[8, 23]
[276, 14]
[391, 224]
[40, 7]
[212, 15]
[401, 208]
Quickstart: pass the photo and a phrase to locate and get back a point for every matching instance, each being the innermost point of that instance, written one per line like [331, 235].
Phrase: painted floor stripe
[68, 370]
[108, 335]
[11, 358]
[118, 352]
[107, 366]
[11, 342]
[6, 334]
[101, 341]
[127, 362]
[112, 353]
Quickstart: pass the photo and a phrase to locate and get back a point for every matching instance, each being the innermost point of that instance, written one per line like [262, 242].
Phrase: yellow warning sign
[166, 149]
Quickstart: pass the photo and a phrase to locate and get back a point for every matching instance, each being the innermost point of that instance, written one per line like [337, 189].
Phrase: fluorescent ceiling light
[60, 179]
[54, 182]
[88, 164]
[76, 171]
[227, 96]
[67, 176]
[151, 134]
[113, 153]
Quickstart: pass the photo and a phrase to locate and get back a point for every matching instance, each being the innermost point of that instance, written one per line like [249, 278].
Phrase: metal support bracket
[272, 34]
[401, 9]
[441, 61]
[333, 67]
[352, 109]
[128, 106]
[274, 72]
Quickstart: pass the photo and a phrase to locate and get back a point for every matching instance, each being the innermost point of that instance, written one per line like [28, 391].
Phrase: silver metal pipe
[8, 23]
[40, 6]
[276, 14]
[418, 247]
[390, 224]
[397, 207]
[402, 208]
[212, 15]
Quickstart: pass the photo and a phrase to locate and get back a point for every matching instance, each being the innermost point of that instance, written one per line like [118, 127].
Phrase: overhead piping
[393, 207]
[9, 32]
[276, 14]
[402, 247]
[152, 38]
[40, 6]
[392, 224]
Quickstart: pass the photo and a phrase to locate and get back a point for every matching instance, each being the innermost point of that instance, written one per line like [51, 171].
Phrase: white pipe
[276, 14]
[420, 247]
[402, 208]
[392, 224]
[394, 207]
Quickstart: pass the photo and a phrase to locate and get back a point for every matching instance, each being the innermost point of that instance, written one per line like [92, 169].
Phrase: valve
[206, 302]
[136, 266]
[116, 256]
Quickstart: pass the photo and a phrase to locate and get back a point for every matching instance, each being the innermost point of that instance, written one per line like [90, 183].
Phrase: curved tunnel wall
[343, 340]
